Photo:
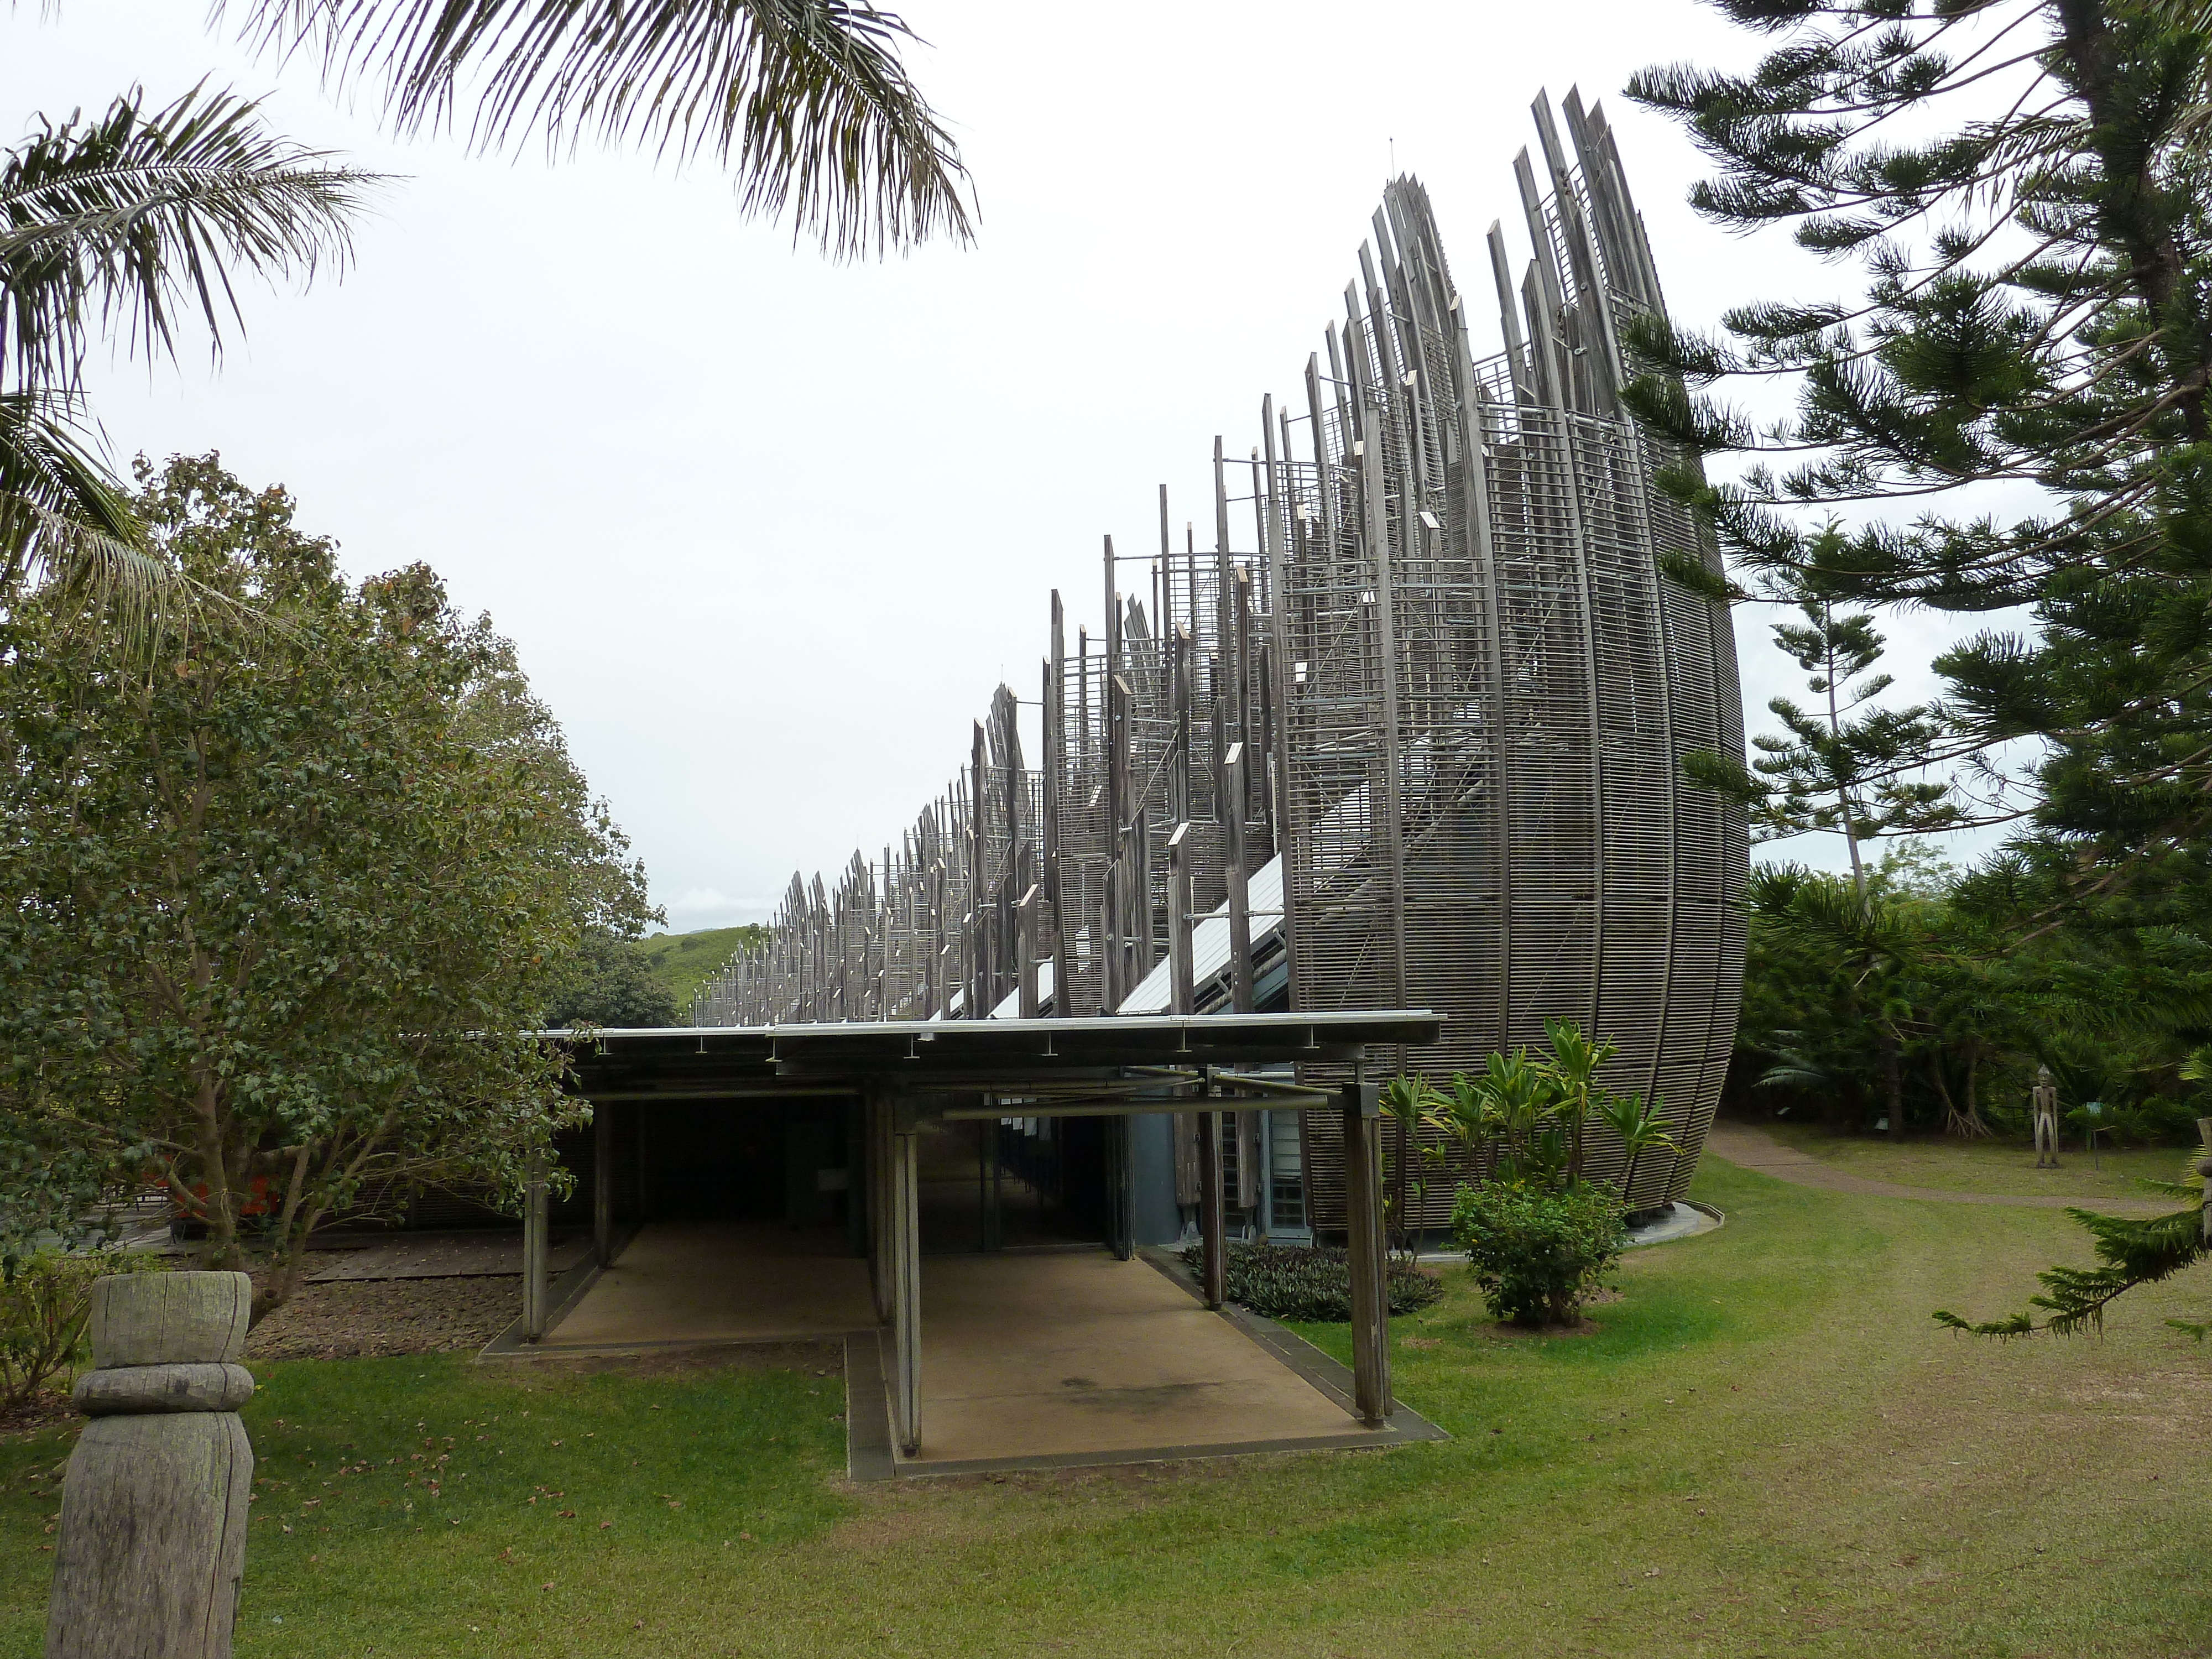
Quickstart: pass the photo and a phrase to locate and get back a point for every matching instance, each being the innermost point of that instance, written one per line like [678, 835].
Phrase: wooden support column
[1121, 1189]
[533, 1249]
[1370, 1306]
[603, 1184]
[1025, 945]
[1212, 1232]
[906, 1281]
[1240, 903]
[878, 1107]
[1181, 992]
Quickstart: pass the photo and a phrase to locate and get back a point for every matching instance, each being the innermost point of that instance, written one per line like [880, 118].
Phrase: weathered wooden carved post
[2043, 1100]
[154, 1509]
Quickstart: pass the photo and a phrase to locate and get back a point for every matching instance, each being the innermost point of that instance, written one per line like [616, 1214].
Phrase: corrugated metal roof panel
[1209, 942]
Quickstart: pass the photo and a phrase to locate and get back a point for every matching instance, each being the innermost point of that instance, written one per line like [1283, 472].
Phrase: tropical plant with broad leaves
[1641, 1126]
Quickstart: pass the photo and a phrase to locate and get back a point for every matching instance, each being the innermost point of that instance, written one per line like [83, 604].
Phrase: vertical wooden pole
[983, 970]
[1212, 1229]
[1371, 1307]
[906, 1280]
[1242, 733]
[1026, 913]
[533, 1249]
[1181, 991]
[1056, 774]
[882, 1216]
[1240, 902]
[603, 1184]
[1121, 1191]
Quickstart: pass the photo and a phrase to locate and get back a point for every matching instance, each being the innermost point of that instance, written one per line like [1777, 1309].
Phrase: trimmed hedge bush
[1537, 1254]
[1289, 1282]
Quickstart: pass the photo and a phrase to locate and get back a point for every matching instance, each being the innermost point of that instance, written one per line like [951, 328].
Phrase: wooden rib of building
[1406, 733]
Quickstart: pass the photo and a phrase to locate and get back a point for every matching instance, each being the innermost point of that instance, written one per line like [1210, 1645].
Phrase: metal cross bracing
[1426, 646]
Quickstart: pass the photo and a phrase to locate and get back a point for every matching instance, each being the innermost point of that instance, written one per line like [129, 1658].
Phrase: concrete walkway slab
[1065, 1358]
[720, 1281]
[1043, 1359]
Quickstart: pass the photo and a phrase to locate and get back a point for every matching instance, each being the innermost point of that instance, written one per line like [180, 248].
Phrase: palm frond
[806, 102]
[136, 219]
[65, 520]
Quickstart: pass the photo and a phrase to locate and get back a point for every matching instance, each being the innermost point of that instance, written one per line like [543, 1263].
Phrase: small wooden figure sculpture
[2044, 1097]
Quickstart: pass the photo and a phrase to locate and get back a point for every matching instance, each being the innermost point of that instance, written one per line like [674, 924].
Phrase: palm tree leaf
[138, 219]
[805, 101]
[63, 519]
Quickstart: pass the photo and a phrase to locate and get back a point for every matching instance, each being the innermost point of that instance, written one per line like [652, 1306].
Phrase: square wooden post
[1370, 1304]
[1025, 959]
[1121, 1188]
[533, 1248]
[1240, 904]
[603, 1184]
[1212, 1232]
[878, 1109]
[906, 1281]
[1181, 992]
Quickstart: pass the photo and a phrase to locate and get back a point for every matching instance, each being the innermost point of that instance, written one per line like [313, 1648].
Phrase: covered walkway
[1023, 1355]
[1029, 1358]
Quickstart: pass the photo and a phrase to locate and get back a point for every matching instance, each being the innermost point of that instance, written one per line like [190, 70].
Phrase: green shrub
[45, 1301]
[1538, 1253]
[1288, 1282]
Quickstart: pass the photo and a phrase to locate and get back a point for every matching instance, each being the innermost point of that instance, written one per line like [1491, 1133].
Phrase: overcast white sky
[767, 530]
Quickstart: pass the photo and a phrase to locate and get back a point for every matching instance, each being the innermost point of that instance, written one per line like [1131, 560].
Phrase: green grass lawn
[1990, 1165]
[1766, 1449]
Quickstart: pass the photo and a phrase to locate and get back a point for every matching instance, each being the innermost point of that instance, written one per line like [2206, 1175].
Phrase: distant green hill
[683, 961]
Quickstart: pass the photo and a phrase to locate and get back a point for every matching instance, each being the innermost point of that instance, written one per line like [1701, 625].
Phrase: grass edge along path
[1948, 1170]
[1755, 1147]
[1766, 1447]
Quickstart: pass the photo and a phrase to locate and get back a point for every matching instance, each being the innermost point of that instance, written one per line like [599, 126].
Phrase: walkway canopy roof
[1059, 1065]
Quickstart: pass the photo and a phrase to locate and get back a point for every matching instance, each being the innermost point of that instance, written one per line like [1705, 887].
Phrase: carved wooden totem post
[2043, 1099]
[154, 1509]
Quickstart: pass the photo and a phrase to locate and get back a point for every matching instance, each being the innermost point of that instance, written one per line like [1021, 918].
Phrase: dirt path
[1752, 1148]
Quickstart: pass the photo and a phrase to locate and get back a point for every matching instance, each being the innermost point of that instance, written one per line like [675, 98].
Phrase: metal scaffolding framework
[1431, 683]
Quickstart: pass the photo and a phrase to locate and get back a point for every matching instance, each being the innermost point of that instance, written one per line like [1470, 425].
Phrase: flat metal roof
[707, 1062]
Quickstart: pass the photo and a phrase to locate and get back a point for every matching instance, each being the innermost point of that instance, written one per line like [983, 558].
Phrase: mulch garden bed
[366, 1319]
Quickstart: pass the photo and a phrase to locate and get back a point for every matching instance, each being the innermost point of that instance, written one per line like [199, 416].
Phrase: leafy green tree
[2020, 184]
[284, 910]
[611, 984]
[1841, 766]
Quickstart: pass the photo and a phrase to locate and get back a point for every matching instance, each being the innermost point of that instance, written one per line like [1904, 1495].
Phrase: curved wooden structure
[1431, 682]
